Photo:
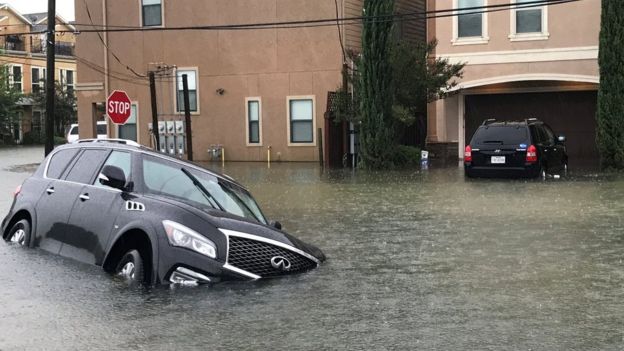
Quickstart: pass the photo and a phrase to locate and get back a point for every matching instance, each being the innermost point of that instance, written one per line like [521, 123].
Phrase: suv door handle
[84, 197]
[50, 190]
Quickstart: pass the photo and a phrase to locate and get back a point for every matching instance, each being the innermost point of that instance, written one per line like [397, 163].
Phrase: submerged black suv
[150, 218]
[526, 148]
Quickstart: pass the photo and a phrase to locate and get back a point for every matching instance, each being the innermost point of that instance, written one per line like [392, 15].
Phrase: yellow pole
[222, 156]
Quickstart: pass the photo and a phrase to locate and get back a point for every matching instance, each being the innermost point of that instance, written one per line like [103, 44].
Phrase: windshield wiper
[203, 189]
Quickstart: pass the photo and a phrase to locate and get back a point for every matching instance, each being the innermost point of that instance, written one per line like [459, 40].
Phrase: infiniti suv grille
[255, 257]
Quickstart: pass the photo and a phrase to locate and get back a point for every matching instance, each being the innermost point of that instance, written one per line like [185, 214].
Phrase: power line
[108, 48]
[326, 22]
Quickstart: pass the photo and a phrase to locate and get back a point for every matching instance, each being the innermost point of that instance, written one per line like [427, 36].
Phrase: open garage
[571, 113]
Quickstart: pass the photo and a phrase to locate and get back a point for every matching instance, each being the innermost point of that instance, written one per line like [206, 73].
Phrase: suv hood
[225, 220]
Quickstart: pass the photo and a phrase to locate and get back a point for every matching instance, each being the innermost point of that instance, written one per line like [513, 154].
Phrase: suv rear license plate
[498, 160]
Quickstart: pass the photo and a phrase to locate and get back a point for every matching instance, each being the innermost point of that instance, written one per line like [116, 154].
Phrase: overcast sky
[65, 8]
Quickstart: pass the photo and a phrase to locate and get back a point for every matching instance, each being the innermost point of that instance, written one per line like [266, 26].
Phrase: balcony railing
[13, 43]
[62, 49]
[13, 46]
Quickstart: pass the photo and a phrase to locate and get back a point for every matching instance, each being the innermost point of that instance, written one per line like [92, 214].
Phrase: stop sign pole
[118, 107]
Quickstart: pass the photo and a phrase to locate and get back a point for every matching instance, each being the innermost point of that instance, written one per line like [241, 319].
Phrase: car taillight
[531, 156]
[17, 190]
[468, 154]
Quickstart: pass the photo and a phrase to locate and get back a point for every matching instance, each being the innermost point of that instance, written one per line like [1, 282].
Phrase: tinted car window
[87, 165]
[119, 159]
[549, 134]
[59, 162]
[501, 135]
[166, 178]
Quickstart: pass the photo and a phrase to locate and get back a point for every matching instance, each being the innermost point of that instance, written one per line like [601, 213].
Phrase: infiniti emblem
[281, 263]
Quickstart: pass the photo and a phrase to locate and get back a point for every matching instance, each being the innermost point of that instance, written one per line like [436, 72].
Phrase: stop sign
[118, 107]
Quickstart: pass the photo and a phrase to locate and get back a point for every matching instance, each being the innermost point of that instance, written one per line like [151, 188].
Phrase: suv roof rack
[530, 120]
[118, 141]
[488, 121]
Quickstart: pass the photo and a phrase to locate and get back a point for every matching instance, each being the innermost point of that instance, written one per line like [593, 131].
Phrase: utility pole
[152, 81]
[187, 118]
[50, 50]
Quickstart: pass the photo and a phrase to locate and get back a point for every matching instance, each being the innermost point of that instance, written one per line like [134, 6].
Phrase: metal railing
[61, 48]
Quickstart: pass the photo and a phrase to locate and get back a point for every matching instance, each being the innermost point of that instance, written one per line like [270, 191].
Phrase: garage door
[570, 113]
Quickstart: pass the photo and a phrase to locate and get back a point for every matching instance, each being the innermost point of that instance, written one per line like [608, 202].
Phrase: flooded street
[416, 260]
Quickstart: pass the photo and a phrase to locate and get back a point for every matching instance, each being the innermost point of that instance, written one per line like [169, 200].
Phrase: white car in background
[102, 129]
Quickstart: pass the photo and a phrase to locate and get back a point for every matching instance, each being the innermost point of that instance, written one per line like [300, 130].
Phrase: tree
[420, 79]
[377, 125]
[610, 117]
[64, 107]
[9, 98]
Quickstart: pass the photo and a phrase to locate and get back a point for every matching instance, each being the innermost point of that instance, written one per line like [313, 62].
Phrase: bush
[59, 140]
[406, 156]
[31, 138]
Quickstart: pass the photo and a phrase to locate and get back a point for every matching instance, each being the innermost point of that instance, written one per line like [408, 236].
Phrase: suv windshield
[503, 135]
[173, 180]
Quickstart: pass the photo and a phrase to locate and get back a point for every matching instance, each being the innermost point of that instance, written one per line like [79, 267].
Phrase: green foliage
[420, 79]
[59, 140]
[64, 107]
[406, 156]
[377, 137]
[9, 98]
[610, 116]
[31, 138]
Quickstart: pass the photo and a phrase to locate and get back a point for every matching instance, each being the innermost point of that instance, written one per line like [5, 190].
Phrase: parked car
[102, 131]
[150, 218]
[520, 148]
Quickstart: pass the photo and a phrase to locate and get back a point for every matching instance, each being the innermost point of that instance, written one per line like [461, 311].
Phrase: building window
[301, 119]
[38, 79]
[15, 77]
[152, 12]
[128, 130]
[253, 109]
[67, 80]
[37, 124]
[192, 86]
[470, 24]
[529, 23]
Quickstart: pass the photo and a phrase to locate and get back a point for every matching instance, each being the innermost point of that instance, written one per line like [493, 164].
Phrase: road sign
[118, 107]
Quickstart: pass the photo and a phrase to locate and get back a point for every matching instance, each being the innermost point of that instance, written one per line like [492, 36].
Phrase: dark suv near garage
[526, 148]
[150, 218]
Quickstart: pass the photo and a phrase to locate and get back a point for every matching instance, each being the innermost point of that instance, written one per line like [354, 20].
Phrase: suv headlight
[182, 236]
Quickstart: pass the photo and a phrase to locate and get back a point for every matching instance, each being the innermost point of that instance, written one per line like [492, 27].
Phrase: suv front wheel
[131, 267]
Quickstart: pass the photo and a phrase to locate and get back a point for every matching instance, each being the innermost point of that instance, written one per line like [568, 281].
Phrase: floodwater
[416, 260]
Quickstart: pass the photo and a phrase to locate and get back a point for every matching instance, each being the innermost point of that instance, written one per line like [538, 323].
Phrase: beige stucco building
[25, 58]
[251, 90]
[534, 62]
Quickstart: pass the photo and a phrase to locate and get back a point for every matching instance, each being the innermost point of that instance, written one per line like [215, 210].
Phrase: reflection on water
[416, 259]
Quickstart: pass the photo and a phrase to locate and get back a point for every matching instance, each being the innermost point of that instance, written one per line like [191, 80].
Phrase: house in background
[25, 58]
[251, 91]
[535, 62]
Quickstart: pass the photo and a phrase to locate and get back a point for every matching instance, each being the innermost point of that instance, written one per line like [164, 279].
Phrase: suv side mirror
[276, 225]
[113, 176]
[561, 139]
